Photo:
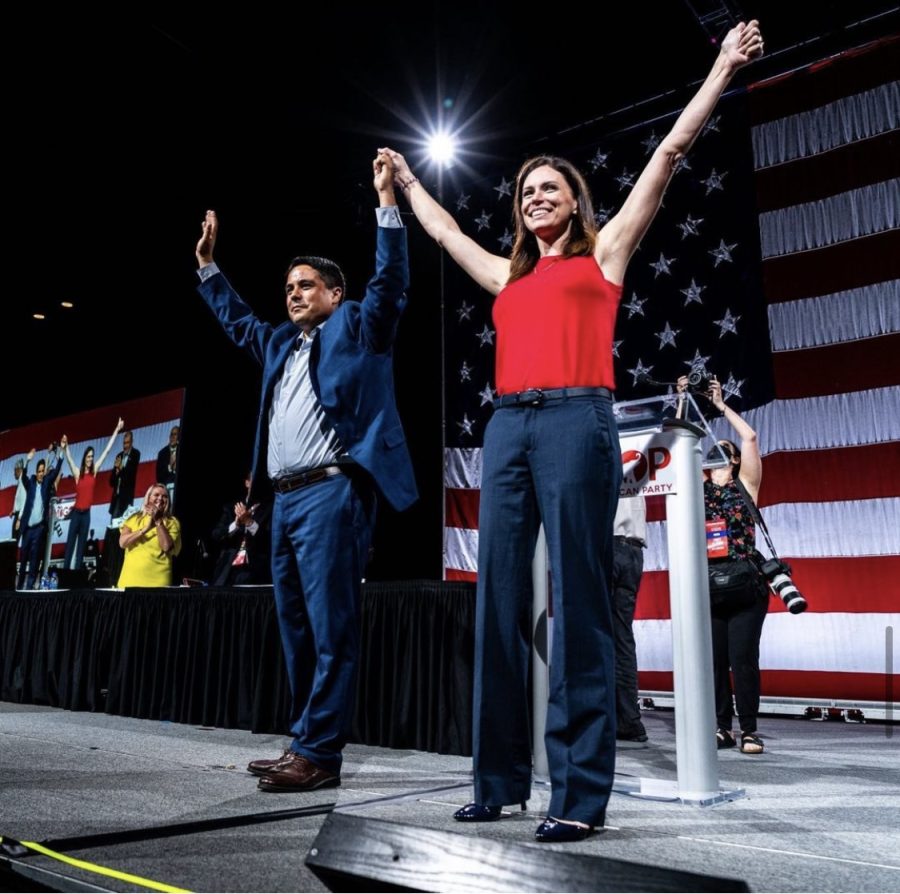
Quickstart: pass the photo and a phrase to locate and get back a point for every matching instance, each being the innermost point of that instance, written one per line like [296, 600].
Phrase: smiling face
[309, 300]
[157, 498]
[547, 203]
[89, 459]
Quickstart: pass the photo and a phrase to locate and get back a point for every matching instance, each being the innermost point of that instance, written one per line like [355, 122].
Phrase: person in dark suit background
[328, 438]
[122, 480]
[242, 536]
[35, 514]
[167, 462]
[123, 477]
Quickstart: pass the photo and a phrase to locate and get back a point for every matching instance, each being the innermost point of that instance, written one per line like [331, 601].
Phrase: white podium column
[695, 713]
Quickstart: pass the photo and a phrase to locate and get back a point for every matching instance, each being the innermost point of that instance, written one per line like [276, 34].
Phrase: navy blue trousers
[320, 541]
[34, 539]
[558, 464]
[79, 530]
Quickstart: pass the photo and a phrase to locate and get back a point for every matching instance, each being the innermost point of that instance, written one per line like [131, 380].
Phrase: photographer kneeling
[739, 607]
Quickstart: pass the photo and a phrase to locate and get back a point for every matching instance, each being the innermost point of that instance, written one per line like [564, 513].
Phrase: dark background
[122, 130]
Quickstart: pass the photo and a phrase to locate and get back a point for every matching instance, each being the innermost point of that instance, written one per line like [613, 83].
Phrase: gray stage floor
[822, 811]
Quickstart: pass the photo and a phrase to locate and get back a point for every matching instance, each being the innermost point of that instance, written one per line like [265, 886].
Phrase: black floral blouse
[726, 502]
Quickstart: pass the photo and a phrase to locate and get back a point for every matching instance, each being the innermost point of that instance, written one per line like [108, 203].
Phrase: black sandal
[724, 739]
[751, 744]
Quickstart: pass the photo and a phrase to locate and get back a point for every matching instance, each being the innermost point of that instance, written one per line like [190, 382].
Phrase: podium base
[650, 789]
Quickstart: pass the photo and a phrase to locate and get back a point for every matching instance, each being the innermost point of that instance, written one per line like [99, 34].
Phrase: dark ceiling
[122, 130]
[125, 130]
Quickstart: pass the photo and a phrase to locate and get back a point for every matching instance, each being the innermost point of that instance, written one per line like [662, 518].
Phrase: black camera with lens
[698, 383]
[778, 576]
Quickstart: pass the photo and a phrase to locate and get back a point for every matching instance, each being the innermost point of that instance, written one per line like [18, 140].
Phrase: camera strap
[755, 514]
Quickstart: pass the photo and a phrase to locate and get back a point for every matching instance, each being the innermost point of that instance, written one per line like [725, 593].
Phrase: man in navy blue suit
[328, 440]
[35, 514]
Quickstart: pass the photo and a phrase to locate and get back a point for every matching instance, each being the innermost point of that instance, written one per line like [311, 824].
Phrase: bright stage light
[441, 148]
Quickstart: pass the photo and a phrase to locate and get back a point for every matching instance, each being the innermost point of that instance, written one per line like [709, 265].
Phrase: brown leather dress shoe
[264, 767]
[297, 774]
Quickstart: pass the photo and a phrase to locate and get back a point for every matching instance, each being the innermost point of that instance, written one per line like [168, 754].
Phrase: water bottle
[45, 582]
[53, 580]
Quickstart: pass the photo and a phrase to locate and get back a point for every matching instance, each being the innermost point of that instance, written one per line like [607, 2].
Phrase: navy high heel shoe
[479, 813]
[553, 831]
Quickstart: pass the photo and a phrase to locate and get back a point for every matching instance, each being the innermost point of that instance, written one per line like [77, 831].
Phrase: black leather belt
[296, 480]
[537, 397]
[631, 541]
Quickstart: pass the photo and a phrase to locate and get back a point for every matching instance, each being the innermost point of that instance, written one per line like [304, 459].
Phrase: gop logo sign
[646, 462]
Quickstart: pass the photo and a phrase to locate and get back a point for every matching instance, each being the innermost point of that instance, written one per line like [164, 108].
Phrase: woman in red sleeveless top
[551, 455]
[85, 477]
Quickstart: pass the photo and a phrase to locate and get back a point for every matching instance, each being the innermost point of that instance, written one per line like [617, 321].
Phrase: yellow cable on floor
[103, 870]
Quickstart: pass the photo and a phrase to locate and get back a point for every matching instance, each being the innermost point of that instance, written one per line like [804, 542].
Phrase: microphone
[647, 379]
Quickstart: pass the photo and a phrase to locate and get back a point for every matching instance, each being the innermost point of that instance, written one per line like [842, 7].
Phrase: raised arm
[490, 271]
[109, 445]
[57, 453]
[76, 472]
[234, 315]
[618, 240]
[751, 461]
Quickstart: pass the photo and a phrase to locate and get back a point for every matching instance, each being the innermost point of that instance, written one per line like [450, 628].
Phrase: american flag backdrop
[774, 264]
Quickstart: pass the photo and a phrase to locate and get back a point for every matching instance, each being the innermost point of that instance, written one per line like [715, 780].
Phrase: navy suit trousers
[320, 542]
[33, 541]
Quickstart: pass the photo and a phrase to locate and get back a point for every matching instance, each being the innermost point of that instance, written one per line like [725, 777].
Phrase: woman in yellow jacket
[151, 538]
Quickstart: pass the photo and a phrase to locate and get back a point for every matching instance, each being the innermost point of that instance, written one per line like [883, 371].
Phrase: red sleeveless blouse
[555, 327]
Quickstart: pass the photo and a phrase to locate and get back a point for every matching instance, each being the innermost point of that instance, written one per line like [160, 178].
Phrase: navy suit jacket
[45, 489]
[350, 365]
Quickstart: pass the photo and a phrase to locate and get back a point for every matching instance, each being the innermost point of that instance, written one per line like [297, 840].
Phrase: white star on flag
[506, 240]
[722, 253]
[484, 221]
[663, 265]
[670, 400]
[635, 306]
[505, 187]
[465, 427]
[602, 215]
[689, 227]
[651, 142]
[732, 388]
[667, 336]
[486, 336]
[465, 311]
[714, 181]
[712, 125]
[465, 372]
[486, 394]
[625, 179]
[698, 363]
[728, 323]
[599, 160]
[616, 344]
[462, 201]
[692, 293]
[639, 372]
